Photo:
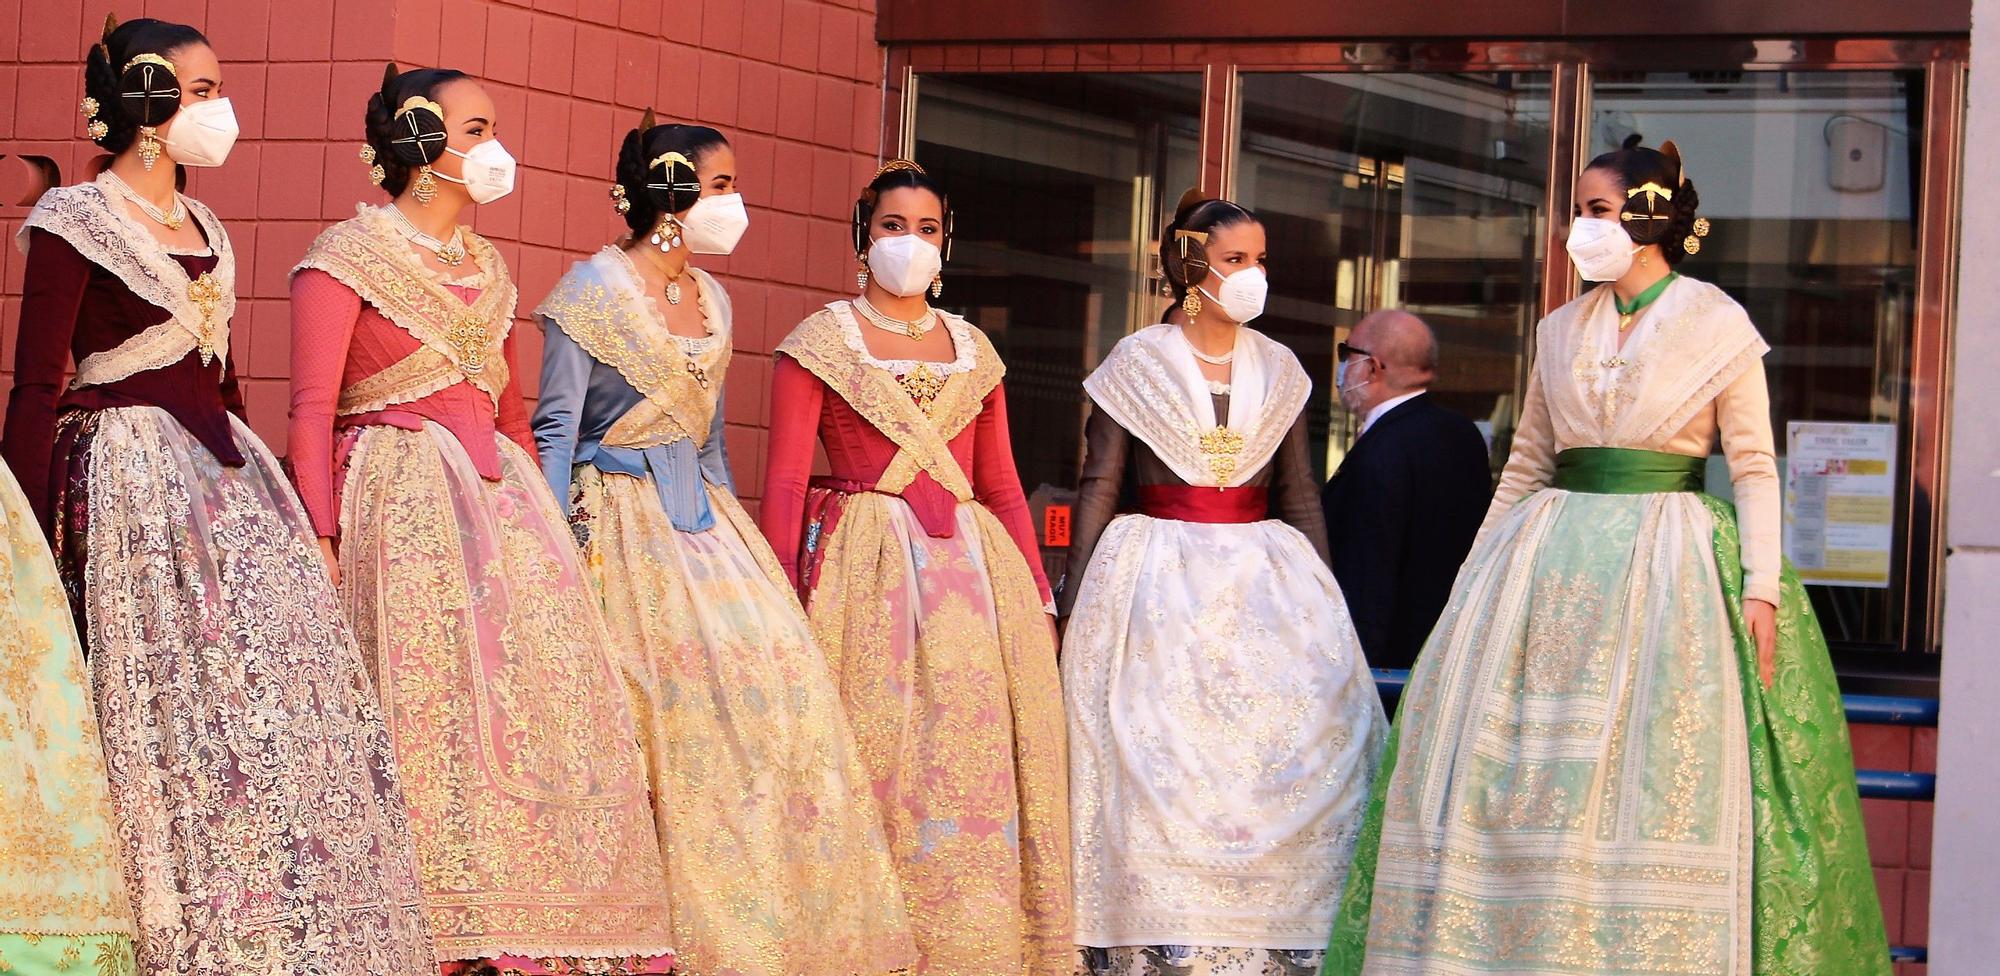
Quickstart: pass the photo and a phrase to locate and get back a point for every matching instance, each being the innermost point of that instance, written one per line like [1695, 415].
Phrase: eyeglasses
[1347, 350]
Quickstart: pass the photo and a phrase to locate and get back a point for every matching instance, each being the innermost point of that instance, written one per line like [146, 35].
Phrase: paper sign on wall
[1840, 494]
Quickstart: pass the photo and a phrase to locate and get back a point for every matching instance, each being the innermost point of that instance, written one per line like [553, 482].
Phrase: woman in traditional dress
[1623, 750]
[925, 589]
[775, 858]
[1222, 722]
[511, 725]
[62, 900]
[251, 781]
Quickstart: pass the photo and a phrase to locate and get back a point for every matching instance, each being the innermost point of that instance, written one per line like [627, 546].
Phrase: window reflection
[1059, 182]
[1810, 179]
[1415, 191]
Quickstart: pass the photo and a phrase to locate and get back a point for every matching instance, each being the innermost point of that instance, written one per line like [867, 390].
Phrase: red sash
[1187, 503]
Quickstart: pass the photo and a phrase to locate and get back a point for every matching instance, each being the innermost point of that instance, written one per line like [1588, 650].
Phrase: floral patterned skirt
[62, 896]
[251, 779]
[512, 727]
[946, 662]
[773, 844]
[1176, 960]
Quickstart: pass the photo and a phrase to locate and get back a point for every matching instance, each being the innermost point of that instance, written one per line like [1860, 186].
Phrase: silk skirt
[511, 723]
[253, 789]
[62, 897]
[775, 857]
[1591, 778]
[1224, 731]
[945, 660]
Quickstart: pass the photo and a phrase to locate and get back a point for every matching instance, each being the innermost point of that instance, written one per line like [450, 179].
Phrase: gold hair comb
[1182, 237]
[148, 59]
[417, 102]
[667, 159]
[896, 165]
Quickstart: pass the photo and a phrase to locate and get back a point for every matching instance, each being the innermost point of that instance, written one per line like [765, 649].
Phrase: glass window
[1416, 191]
[1058, 182]
[1811, 181]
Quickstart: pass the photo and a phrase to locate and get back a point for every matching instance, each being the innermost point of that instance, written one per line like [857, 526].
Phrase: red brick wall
[795, 84]
[1899, 833]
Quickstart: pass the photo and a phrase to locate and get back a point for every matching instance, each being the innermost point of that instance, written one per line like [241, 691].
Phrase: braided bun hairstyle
[396, 141]
[1648, 218]
[125, 99]
[1196, 214]
[671, 187]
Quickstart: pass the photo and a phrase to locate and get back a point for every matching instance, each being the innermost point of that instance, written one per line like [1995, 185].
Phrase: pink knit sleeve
[323, 316]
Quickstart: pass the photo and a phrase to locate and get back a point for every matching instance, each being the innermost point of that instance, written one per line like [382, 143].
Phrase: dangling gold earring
[861, 277]
[937, 285]
[149, 147]
[1191, 303]
[426, 189]
[1642, 258]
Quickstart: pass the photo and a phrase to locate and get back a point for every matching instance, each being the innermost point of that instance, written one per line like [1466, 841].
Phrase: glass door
[1422, 192]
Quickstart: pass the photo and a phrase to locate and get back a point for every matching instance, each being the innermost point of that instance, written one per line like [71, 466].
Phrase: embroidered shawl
[923, 438]
[89, 217]
[1697, 343]
[604, 307]
[1151, 385]
[461, 342]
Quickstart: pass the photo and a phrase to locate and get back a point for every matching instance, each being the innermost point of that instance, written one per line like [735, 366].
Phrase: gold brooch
[923, 384]
[468, 337]
[206, 294]
[1221, 445]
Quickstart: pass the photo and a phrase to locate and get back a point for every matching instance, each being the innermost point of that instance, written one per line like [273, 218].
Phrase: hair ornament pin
[1182, 238]
[1654, 193]
[415, 102]
[896, 166]
[148, 58]
[1692, 243]
[618, 199]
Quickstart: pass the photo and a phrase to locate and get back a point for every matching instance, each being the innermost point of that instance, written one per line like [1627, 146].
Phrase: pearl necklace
[1222, 360]
[913, 328]
[451, 252]
[171, 221]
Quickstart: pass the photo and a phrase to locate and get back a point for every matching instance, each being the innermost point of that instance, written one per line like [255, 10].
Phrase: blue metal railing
[1879, 784]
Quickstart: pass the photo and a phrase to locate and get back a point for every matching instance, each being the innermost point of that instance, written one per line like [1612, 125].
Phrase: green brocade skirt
[1813, 906]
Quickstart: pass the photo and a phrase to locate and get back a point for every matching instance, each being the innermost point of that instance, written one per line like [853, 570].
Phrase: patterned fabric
[945, 660]
[101, 230]
[462, 341]
[261, 827]
[1223, 733]
[62, 898]
[1178, 960]
[774, 849]
[526, 791]
[1153, 387]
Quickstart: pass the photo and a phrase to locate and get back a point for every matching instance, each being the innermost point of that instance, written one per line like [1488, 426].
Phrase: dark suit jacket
[1400, 516]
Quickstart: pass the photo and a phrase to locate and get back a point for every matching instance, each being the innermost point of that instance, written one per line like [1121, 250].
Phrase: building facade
[1418, 155]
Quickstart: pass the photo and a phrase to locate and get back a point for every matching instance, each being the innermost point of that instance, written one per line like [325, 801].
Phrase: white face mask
[905, 264]
[715, 223]
[1600, 249]
[488, 169]
[201, 133]
[1242, 294]
[1340, 382]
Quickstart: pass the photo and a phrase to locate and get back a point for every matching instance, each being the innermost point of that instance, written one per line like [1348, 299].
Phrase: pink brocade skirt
[511, 725]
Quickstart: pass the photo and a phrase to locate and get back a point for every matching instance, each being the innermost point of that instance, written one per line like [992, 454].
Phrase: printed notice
[1840, 493]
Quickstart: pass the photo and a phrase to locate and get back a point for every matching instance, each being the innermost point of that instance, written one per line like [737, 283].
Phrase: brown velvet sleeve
[1106, 447]
[1294, 491]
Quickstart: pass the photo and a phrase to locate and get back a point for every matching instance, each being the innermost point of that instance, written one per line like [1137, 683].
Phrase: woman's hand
[1762, 618]
[332, 562]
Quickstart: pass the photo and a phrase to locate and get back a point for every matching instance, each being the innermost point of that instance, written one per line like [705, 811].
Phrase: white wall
[1965, 879]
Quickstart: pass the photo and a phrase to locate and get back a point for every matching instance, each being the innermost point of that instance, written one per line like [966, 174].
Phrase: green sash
[1813, 904]
[1622, 471]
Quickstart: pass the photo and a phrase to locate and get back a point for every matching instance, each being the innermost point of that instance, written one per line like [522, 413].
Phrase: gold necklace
[915, 328]
[171, 220]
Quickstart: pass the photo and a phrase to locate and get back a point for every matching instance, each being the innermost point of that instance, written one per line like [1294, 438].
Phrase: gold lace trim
[603, 309]
[369, 256]
[86, 217]
[1137, 387]
[923, 438]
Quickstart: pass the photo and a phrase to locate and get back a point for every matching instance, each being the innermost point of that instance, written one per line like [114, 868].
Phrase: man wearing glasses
[1402, 510]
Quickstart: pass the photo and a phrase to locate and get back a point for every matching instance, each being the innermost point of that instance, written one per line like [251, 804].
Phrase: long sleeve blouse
[339, 340]
[804, 410]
